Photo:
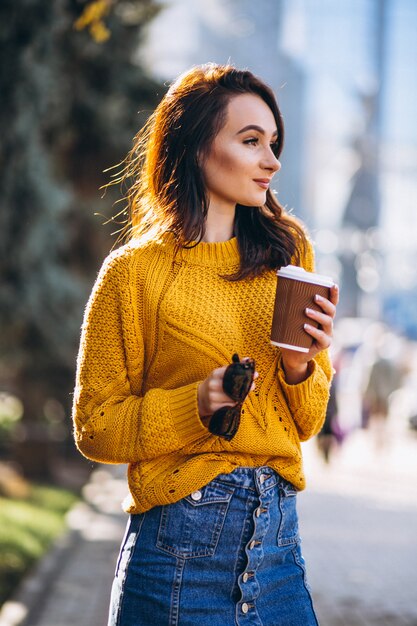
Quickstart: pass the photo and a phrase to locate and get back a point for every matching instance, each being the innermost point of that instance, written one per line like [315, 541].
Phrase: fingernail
[318, 298]
[309, 311]
[307, 326]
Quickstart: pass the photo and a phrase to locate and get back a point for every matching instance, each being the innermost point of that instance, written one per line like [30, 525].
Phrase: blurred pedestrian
[332, 434]
[214, 463]
[329, 436]
[385, 377]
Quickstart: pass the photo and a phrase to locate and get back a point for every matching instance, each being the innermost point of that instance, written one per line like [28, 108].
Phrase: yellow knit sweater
[154, 328]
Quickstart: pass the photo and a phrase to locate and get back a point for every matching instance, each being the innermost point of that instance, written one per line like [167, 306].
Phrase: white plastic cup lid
[299, 273]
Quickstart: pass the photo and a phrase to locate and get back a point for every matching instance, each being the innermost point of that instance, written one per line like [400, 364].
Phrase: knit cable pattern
[154, 327]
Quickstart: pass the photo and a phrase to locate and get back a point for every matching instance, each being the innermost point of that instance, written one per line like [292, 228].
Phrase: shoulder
[134, 253]
[133, 265]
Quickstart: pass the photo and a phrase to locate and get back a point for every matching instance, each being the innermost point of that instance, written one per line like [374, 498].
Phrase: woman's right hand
[210, 393]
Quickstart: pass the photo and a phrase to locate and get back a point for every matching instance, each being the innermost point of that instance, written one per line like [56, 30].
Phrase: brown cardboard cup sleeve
[295, 292]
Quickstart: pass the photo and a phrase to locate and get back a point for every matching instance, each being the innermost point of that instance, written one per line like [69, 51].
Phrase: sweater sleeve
[307, 401]
[111, 423]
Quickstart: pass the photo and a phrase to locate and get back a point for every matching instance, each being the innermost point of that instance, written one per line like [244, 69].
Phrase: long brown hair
[166, 191]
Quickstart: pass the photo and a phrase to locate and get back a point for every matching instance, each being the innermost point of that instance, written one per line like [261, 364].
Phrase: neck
[219, 226]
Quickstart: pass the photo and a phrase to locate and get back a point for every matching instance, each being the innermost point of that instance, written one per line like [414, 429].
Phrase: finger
[219, 372]
[215, 385]
[326, 305]
[325, 321]
[220, 396]
[323, 340]
[253, 386]
[334, 294]
[218, 405]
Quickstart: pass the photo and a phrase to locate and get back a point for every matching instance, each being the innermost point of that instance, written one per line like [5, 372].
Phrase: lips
[262, 182]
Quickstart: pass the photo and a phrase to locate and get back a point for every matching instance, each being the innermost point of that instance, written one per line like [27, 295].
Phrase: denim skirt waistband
[229, 553]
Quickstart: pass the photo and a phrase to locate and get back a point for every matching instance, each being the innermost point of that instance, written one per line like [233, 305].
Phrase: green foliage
[69, 111]
[27, 528]
[11, 411]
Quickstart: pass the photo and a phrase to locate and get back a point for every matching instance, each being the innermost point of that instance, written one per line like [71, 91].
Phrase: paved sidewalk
[359, 526]
[71, 587]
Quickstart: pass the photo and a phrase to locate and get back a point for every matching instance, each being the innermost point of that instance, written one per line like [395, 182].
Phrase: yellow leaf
[93, 13]
[99, 32]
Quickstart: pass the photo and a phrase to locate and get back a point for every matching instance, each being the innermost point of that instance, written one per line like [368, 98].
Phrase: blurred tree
[69, 109]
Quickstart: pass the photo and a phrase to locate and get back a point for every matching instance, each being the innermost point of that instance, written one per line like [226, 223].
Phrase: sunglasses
[237, 381]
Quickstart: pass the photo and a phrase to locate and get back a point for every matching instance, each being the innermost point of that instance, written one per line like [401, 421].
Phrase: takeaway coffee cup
[296, 289]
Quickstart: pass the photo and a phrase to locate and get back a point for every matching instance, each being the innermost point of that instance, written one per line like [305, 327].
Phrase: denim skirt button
[233, 535]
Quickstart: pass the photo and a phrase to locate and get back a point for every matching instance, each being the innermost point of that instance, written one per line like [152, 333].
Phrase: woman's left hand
[295, 363]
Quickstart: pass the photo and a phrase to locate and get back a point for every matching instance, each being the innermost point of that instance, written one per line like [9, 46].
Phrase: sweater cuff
[297, 395]
[184, 412]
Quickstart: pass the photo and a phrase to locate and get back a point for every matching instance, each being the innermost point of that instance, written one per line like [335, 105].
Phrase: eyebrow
[255, 127]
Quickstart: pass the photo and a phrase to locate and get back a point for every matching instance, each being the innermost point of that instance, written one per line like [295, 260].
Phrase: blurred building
[345, 79]
[363, 89]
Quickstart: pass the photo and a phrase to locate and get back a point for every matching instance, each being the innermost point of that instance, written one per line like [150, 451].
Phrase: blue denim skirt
[227, 554]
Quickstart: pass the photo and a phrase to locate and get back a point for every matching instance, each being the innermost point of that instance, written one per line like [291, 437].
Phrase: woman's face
[241, 162]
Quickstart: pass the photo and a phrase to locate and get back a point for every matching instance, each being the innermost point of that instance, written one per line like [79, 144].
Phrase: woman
[212, 536]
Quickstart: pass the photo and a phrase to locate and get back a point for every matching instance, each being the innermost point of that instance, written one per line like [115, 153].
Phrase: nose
[271, 162]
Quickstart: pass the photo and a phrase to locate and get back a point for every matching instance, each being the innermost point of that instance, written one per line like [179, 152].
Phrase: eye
[252, 141]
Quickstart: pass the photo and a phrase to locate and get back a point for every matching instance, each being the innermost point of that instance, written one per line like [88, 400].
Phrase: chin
[253, 202]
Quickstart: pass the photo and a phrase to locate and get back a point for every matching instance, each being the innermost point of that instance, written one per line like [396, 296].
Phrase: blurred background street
[358, 520]
[78, 79]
